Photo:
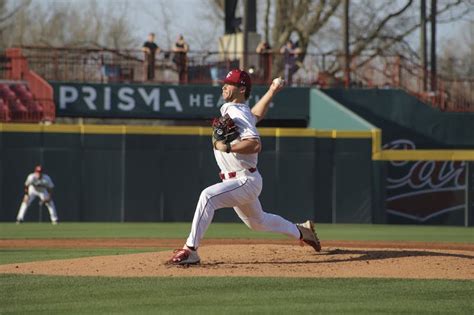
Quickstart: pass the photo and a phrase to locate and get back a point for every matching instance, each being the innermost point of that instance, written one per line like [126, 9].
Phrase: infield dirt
[258, 258]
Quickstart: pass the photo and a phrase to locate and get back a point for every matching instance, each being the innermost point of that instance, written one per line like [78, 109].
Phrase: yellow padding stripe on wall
[176, 130]
[424, 155]
[374, 134]
[376, 141]
[105, 129]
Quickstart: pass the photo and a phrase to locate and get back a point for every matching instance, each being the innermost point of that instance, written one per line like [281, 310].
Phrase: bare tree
[456, 59]
[267, 21]
[214, 16]
[162, 21]
[377, 27]
[167, 23]
[118, 29]
[7, 18]
[61, 24]
[218, 7]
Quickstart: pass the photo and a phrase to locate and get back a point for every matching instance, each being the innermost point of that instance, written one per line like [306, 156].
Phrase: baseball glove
[224, 129]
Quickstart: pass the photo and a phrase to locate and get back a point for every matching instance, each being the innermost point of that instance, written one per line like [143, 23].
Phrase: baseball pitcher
[38, 185]
[237, 143]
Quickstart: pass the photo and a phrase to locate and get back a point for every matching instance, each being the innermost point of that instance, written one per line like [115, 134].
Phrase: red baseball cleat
[184, 257]
[309, 235]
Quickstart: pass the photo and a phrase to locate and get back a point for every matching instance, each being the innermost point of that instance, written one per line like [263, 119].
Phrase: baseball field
[120, 268]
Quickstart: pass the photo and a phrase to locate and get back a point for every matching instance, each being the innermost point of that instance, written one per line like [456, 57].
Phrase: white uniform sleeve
[29, 180]
[245, 121]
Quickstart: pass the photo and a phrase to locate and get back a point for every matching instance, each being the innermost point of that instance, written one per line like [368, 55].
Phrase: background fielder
[38, 185]
[236, 147]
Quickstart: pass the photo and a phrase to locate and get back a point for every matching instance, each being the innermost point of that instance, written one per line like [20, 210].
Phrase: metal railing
[5, 66]
[204, 67]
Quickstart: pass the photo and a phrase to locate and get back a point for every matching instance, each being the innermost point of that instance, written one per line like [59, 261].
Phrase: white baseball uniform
[239, 190]
[38, 187]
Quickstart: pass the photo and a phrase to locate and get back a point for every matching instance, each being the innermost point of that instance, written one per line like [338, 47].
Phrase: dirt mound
[177, 243]
[282, 260]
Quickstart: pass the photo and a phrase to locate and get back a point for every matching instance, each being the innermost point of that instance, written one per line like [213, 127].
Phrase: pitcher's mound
[269, 260]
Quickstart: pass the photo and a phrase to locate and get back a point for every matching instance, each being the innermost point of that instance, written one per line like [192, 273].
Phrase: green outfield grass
[101, 295]
[367, 232]
[87, 295]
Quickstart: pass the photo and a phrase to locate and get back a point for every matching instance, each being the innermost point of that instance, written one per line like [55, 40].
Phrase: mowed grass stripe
[363, 232]
[83, 295]
[12, 255]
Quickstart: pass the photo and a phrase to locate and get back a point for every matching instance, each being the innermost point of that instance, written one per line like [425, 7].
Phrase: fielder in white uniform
[241, 182]
[38, 185]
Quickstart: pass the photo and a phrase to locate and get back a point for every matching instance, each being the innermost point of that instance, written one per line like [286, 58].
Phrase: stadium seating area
[17, 103]
[25, 96]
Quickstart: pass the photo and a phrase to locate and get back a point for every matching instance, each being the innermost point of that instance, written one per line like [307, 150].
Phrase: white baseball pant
[241, 193]
[43, 196]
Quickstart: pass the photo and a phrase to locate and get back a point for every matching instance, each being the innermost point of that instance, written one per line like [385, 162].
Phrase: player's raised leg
[255, 218]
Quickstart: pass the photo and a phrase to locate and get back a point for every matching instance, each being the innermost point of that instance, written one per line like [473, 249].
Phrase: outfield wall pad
[328, 114]
[123, 173]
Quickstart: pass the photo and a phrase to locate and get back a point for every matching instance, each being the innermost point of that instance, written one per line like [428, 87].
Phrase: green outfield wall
[126, 173]
[368, 156]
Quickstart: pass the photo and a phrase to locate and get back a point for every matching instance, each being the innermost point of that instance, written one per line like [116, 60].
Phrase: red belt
[233, 174]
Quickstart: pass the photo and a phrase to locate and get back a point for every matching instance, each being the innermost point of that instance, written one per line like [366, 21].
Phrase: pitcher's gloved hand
[224, 129]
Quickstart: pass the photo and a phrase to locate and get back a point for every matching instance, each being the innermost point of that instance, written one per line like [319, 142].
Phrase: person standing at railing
[289, 59]
[180, 58]
[264, 50]
[150, 48]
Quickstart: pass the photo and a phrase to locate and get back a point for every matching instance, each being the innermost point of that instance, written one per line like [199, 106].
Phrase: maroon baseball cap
[238, 77]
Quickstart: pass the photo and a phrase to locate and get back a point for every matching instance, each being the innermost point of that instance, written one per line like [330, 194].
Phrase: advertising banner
[424, 191]
[166, 101]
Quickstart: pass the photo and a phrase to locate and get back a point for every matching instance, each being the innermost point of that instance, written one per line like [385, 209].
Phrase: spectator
[289, 59]
[38, 185]
[150, 48]
[265, 60]
[180, 50]
[296, 53]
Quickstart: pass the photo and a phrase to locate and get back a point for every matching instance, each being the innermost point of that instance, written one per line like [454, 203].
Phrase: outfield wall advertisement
[424, 191]
[165, 101]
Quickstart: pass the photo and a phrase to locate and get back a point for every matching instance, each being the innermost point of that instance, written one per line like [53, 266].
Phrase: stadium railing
[207, 67]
